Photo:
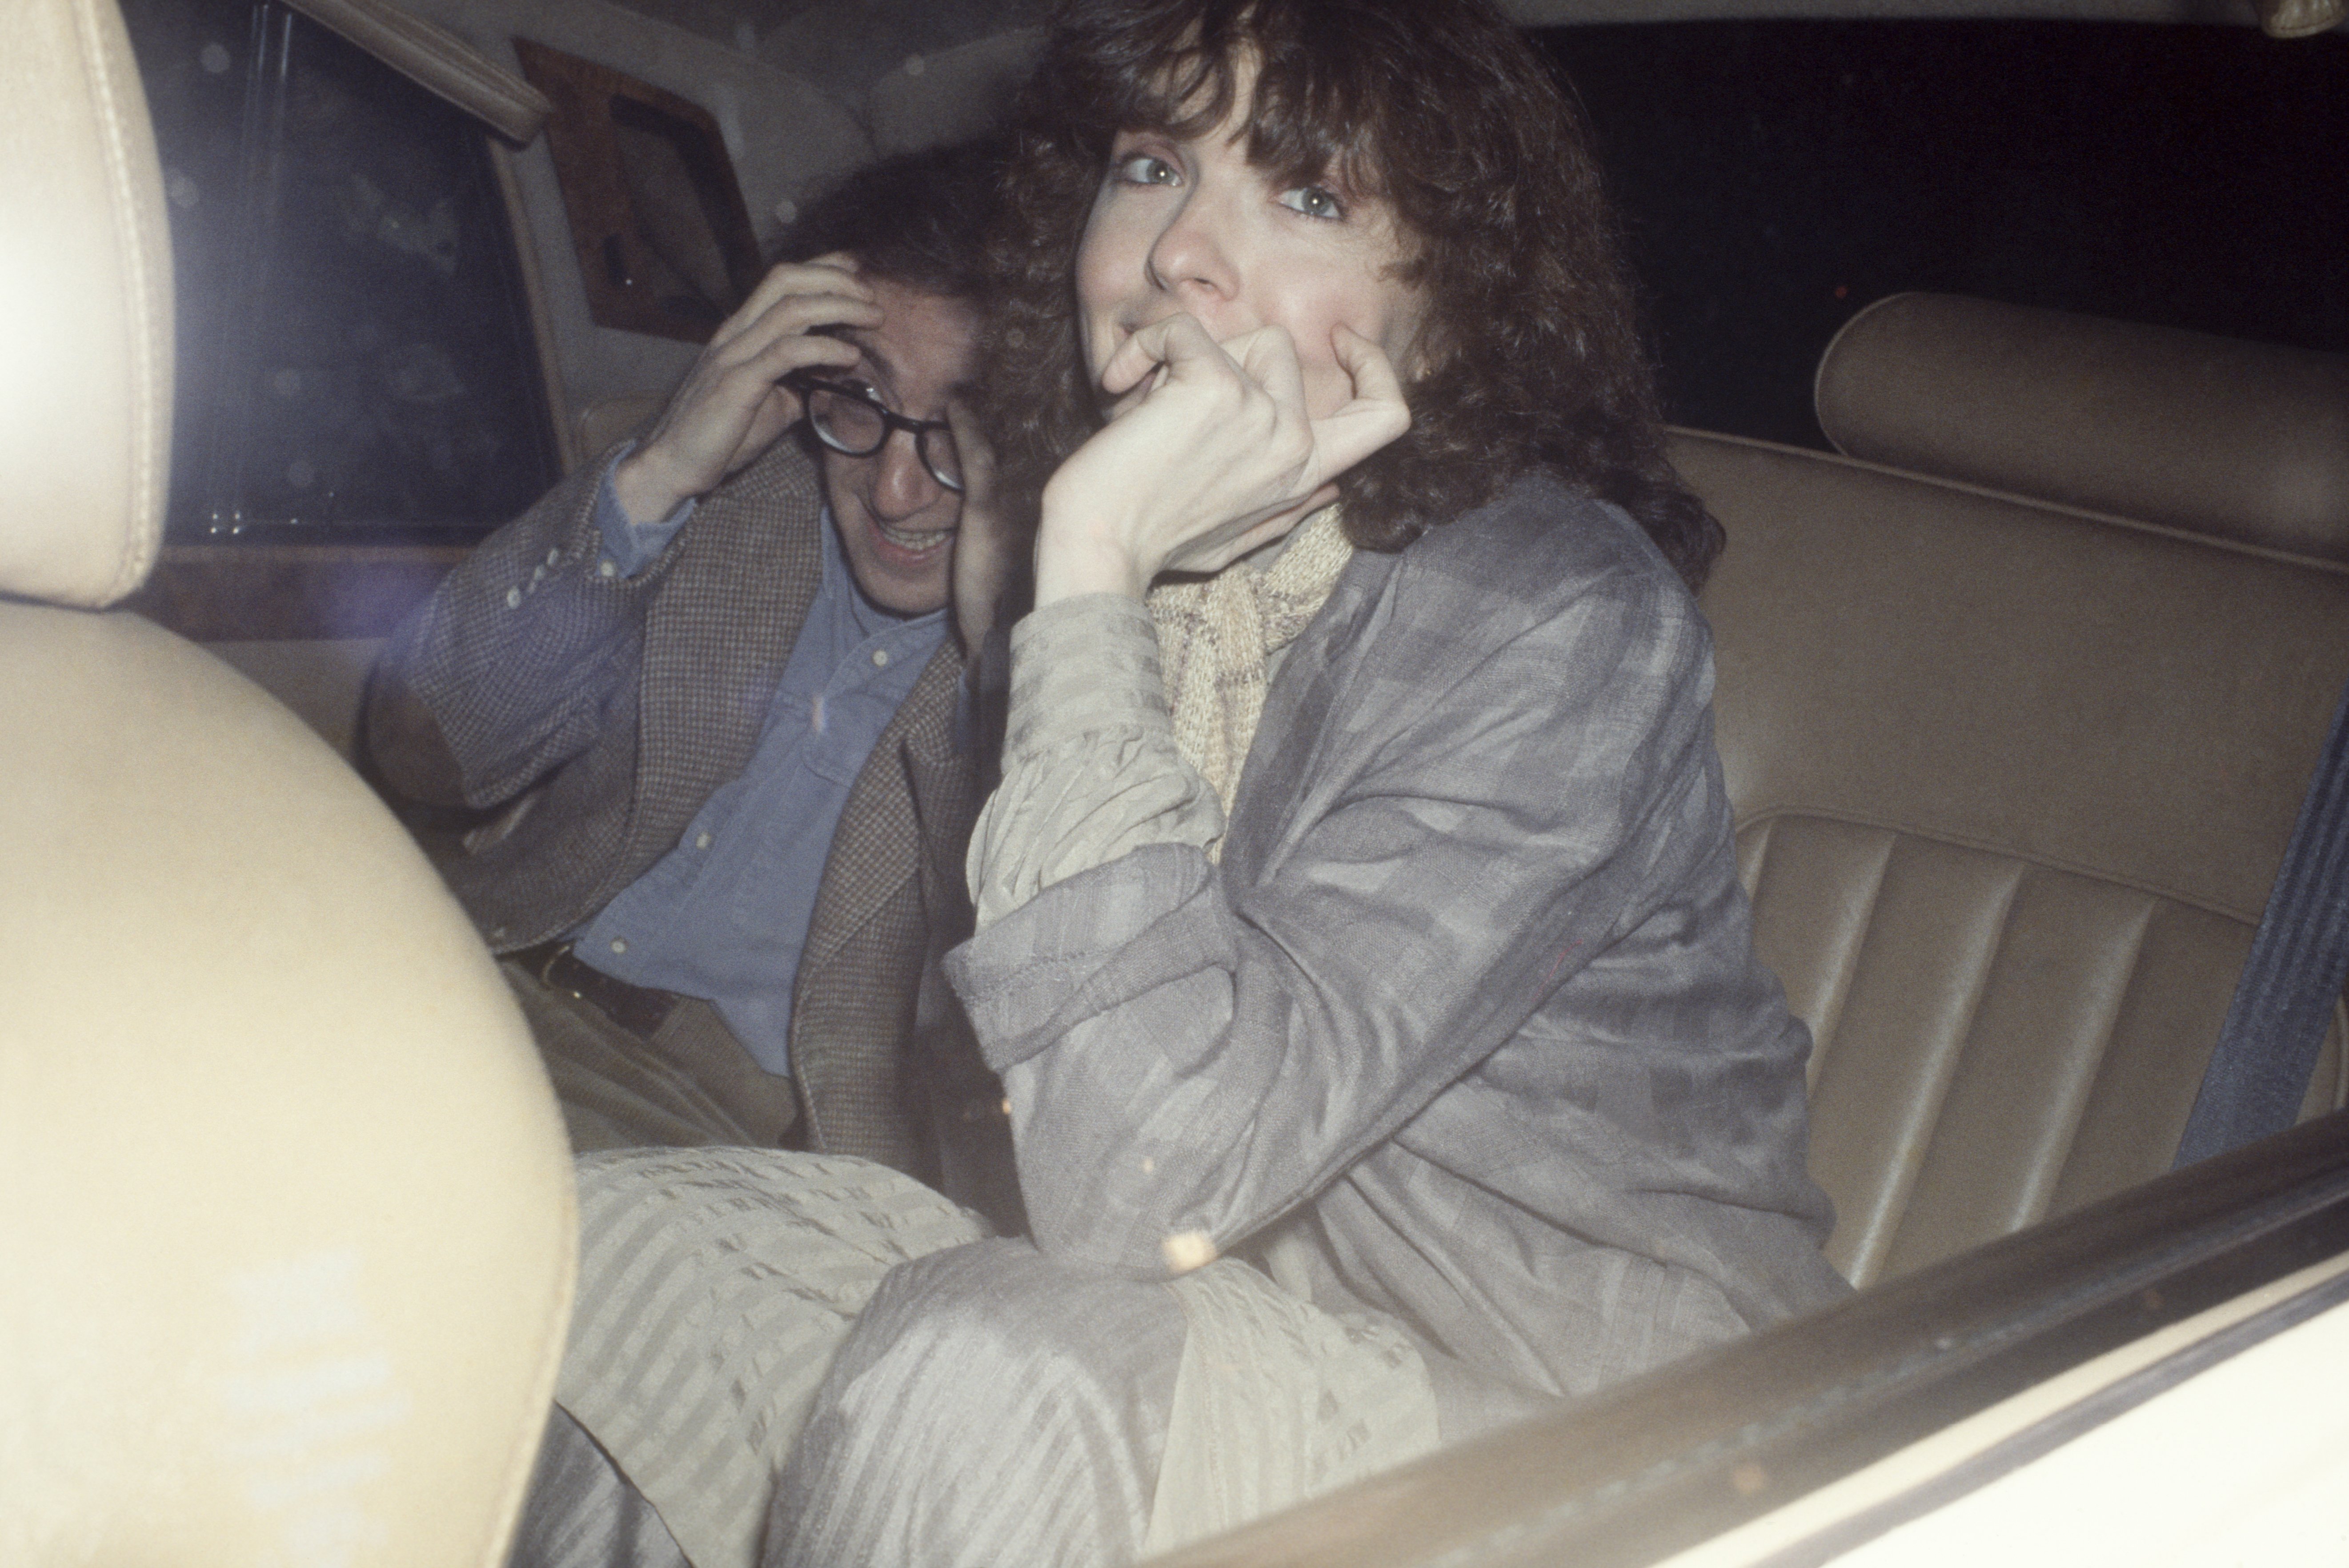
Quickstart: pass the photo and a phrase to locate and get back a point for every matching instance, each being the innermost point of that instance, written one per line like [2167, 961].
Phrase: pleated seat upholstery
[2012, 776]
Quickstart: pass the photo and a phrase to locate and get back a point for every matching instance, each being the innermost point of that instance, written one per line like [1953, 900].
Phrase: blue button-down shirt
[725, 914]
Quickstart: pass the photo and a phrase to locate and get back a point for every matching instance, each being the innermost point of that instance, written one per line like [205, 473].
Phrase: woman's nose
[1194, 250]
[902, 485]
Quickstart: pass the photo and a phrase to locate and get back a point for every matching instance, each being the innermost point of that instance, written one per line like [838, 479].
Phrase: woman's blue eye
[1144, 169]
[1313, 202]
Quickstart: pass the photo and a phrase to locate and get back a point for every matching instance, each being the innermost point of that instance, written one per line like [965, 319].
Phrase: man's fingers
[794, 315]
[976, 453]
[796, 298]
[831, 274]
[765, 369]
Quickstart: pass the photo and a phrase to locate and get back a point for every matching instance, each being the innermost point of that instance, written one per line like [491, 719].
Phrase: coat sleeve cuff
[1081, 665]
[629, 547]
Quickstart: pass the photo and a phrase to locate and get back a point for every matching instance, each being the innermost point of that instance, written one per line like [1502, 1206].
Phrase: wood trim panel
[650, 254]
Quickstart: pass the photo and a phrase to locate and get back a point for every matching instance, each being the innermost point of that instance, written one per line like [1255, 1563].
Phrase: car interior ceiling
[2018, 693]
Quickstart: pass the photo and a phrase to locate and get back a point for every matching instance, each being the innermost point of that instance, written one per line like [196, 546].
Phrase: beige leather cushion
[2012, 784]
[323, 681]
[2237, 441]
[288, 1228]
[86, 336]
[603, 425]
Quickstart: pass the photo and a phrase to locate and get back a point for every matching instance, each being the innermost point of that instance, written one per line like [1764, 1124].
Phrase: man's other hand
[984, 550]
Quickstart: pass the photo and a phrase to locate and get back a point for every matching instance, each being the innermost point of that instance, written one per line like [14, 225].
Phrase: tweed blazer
[592, 715]
[1466, 1027]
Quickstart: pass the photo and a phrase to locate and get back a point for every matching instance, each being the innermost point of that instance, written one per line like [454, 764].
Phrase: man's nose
[901, 483]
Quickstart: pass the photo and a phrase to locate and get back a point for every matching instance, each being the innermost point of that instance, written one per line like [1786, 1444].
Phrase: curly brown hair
[1531, 352]
[918, 219]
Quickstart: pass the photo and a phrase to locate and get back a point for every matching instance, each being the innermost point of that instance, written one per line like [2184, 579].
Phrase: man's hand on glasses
[733, 403]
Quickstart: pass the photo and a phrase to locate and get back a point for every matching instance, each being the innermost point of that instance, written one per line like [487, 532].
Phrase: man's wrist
[647, 494]
[630, 546]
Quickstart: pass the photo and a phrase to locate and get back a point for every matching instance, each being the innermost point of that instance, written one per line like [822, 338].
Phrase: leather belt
[638, 1009]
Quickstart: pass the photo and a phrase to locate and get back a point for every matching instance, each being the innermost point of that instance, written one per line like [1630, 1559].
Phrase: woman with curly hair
[1359, 935]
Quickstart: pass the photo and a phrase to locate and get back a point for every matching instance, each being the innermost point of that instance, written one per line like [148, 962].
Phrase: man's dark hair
[918, 219]
[1531, 350]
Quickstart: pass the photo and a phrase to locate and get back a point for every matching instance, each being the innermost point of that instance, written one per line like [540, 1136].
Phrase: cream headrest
[2237, 441]
[286, 1212]
[85, 309]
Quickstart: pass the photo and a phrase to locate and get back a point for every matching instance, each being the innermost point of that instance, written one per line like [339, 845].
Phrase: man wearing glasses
[684, 734]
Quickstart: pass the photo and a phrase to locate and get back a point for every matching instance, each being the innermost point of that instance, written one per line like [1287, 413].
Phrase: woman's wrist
[1079, 557]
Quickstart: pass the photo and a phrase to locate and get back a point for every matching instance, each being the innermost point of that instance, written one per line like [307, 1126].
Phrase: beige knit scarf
[1215, 634]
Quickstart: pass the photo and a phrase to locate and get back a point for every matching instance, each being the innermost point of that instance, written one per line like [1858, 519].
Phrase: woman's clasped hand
[1209, 453]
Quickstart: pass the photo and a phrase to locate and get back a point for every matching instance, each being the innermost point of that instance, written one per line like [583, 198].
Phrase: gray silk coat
[1467, 1026]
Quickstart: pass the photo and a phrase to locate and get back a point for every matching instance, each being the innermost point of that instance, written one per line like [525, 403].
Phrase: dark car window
[1776, 176]
[354, 353]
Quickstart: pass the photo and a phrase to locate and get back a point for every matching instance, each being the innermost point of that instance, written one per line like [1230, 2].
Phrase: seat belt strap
[2291, 981]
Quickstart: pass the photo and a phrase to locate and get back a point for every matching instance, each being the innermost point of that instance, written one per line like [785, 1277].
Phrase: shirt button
[607, 570]
[554, 556]
[619, 944]
[514, 599]
[881, 658]
[701, 841]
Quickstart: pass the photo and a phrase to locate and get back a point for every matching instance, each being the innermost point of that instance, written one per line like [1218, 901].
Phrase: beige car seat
[2017, 704]
[286, 1217]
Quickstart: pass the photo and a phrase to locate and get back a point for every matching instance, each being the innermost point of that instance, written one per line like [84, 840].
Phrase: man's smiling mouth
[919, 542]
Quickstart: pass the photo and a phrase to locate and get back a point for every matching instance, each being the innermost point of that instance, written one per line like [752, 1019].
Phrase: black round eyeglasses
[850, 418]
